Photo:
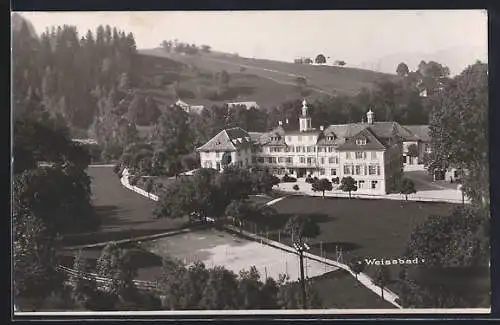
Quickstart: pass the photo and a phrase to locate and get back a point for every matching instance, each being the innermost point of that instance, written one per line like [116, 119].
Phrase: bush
[116, 169]
[296, 187]
[336, 180]
[133, 180]
[288, 179]
[309, 179]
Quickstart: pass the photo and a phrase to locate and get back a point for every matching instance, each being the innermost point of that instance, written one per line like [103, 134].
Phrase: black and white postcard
[250, 162]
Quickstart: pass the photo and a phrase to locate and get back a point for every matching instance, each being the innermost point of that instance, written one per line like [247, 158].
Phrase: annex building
[370, 151]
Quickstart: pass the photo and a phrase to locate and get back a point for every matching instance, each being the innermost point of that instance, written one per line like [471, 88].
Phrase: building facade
[370, 152]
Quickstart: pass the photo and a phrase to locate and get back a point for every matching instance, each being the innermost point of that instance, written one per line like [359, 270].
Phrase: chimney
[280, 123]
[370, 116]
[321, 128]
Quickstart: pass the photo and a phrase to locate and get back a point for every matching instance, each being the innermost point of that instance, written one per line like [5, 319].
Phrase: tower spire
[304, 107]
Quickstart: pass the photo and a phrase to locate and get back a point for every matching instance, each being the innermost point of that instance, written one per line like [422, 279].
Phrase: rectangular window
[359, 155]
[333, 172]
[217, 154]
[302, 160]
[346, 170]
[322, 171]
[348, 155]
[330, 149]
[372, 170]
[378, 170]
[273, 160]
[309, 149]
[297, 149]
[374, 184]
[361, 184]
[322, 160]
[331, 160]
[289, 160]
[365, 171]
[374, 155]
[281, 159]
[358, 169]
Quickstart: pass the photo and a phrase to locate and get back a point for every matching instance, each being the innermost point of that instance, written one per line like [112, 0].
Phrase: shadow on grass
[139, 258]
[278, 221]
[331, 247]
[104, 236]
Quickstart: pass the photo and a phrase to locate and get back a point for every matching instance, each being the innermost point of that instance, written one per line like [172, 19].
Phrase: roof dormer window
[330, 138]
[360, 142]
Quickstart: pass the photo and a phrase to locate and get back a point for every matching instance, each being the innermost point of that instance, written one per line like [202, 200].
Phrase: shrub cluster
[288, 179]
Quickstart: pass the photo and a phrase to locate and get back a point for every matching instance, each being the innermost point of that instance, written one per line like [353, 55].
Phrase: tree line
[186, 48]
[72, 73]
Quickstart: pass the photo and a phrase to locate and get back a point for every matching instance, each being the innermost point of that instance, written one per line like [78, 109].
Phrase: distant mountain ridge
[456, 58]
[17, 20]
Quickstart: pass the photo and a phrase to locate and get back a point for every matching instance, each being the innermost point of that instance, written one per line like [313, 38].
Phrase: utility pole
[302, 278]
[300, 248]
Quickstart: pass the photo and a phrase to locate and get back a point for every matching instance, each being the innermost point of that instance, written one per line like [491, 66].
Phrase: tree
[262, 181]
[402, 70]
[239, 211]
[458, 130]
[348, 184]
[206, 48]
[412, 150]
[115, 264]
[34, 274]
[407, 187]
[85, 290]
[148, 186]
[308, 61]
[320, 59]
[322, 185]
[296, 187]
[172, 134]
[357, 265]
[60, 196]
[299, 227]
[382, 278]
[455, 240]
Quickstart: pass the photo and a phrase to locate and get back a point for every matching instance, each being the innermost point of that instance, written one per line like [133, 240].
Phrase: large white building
[370, 152]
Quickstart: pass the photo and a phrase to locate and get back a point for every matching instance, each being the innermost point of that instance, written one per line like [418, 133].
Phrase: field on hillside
[167, 80]
[328, 80]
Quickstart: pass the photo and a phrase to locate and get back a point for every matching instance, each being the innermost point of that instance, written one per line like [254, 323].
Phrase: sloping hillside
[167, 79]
[326, 80]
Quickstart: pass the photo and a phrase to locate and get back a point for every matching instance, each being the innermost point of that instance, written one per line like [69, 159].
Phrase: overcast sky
[354, 36]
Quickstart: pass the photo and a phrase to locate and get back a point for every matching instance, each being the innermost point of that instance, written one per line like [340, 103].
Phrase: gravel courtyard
[214, 247]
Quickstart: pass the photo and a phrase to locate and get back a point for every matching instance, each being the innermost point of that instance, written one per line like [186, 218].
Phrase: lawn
[339, 289]
[124, 213]
[363, 228]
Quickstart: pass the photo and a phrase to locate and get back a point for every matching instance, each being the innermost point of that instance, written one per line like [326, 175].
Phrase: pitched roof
[227, 140]
[372, 142]
[422, 132]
